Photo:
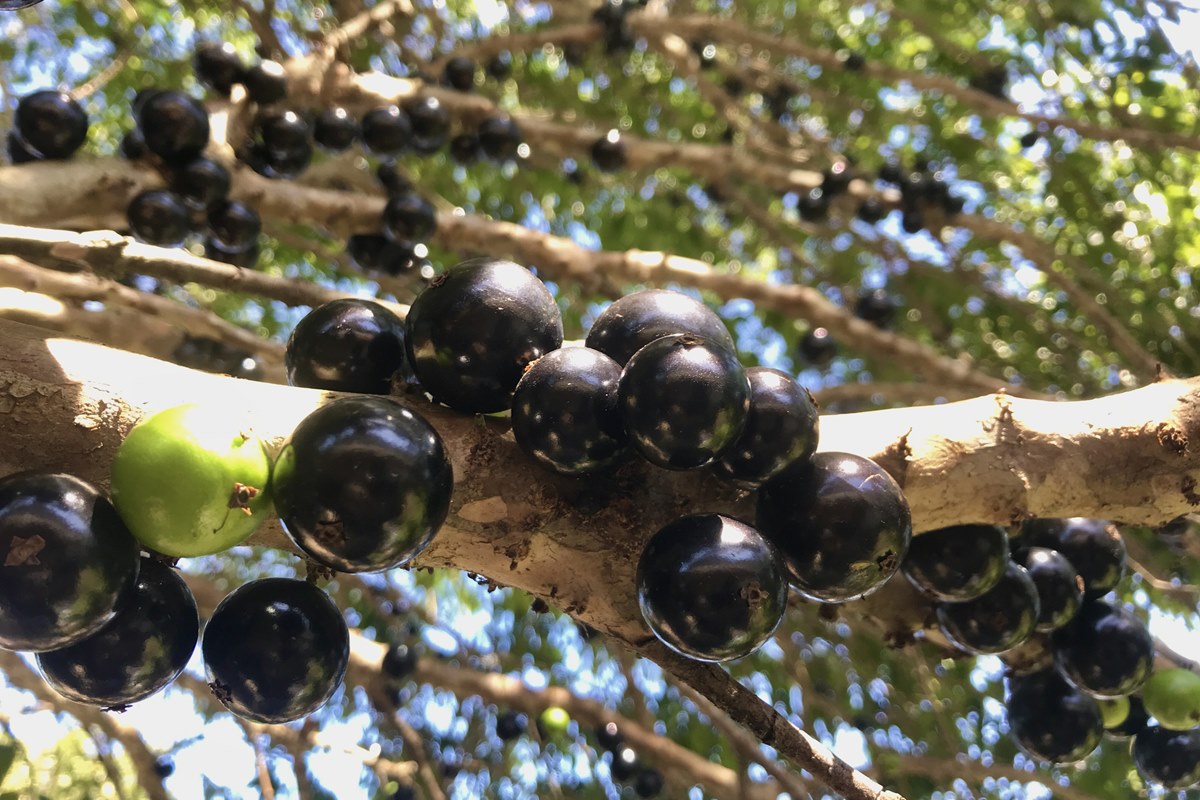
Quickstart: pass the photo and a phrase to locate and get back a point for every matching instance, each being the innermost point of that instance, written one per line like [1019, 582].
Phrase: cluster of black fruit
[922, 189]
[112, 626]
[818, 347]
[990, 599]
[212, 355]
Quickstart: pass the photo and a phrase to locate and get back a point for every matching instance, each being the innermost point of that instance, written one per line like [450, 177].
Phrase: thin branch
[104, 756]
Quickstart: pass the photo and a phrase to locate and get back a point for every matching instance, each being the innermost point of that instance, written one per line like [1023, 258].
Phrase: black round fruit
[912, 220]
[609, 736]
[499, 67]
[235, 226]
[1029, 139]
[465, 148]
[875, 306]
[841, 522]
[133, 146]
[430, 123]
[459, 73]
[400, 661]
[275, 650]
[608, 152]
[957, 563]
[164, 767]
[637, 319]
[200, 183]
[281, 131]
[711, 588]
[835, 180]
[499, 138]
[69, 561]
[218, 66]
[1105, 650]
[1166, 757]
[392, 180]
[891, 172]
[346, 345]
[649, 783]
[998, 620]
[782, 428]
[409, 217]
[565, 412]
[142, 649]
[51, 124]
[1093, 546]
[475, 328]
[1050, 720]
[159, 217]
[378, 254]
[871, 211]
[1060, 589]
[266, 82]
[625, 764]
[18, 151]
[684, 401]
[246, 257]
[854, 62]
[362, 484]
[386, 130]
[818, 347]
[335, 129]
[813, 205]
[511, 724]
[174, 125]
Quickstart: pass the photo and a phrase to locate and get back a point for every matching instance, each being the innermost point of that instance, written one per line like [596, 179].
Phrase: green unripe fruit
[553, 722]
[191, 481]
[1114, 711]
[1172, 697]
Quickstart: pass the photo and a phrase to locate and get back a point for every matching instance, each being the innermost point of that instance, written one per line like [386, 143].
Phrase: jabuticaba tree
[967, 234]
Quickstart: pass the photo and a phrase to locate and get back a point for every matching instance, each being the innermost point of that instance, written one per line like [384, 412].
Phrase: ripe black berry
[649, 783]
[275, 650]
[891, 172]
[612, 16]
[400, 661]
[998, 620]
[460, 73]
[684, 401]
[871, 211]
[1166, 757]
[511, 724]
[912, 220]
[465, 148]
[409, 217]
[565, 412]
[142, 649]
[218, 66]
[781, 428]
[164, 766]
[159, 217]
[335, 129]
[1093, 546]
[499, 66]
[18, 151]
[69, 561]
[235, 226]
[841, 522]
[813, 205]
[1050, 720]
[818, 347]
[174, 125]
[200, 183]
[854, 62]
[386, 130]
[266, 82]
[499, 137]
[875, 306]
[378, 254]
[637, 319]
[50, 124]
[1060, 589]
[609, 736]
[475, 328]
[1105, 651]
[330, 494]
[711, 588]
[392, 180]
[625, 764]
[245, 257]
[957, 563]
[430, 123]
[608, 152]
[281, 131]
[835, 180]
[133, 146]
[346, 345]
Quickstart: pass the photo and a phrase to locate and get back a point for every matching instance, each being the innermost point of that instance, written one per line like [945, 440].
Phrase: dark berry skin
[465, 148]
[1093, 546]
[379, 254]
[1168, 758]
[275, 650]
[781, 429]
[499, 137]
[625, 764]
[18, 151]
[684, 401]
[174, 125]
[460, 73]
[1105, 651]
[400, 661]
[608, 152]
[69, 561]
[1050, 720]
[998, 620]
[218, 66]
[875, 306]
[51, 123]
[245, 257]
[346, 345]
[818, 347]
[871, 211]
[141, 650]
[474, 329]
[649, 783]
[841, 522]
[1060, 589]
[957, 563]
[1134, 723]
[281, 131]
[912, 221]
[362, 484]
[200, 183]
[711, 588]
[164, 767]
[637, 319]
[1029, 139]
[266, 82]
[133, 146]
[510, 725]
[234, 225]
[565, 413]
[386, 130]
[335, 129]
[430, 123]
[409, 217]
[813, 205]
[159, 217]
[891, 172]
[499, 67]
[609, 736]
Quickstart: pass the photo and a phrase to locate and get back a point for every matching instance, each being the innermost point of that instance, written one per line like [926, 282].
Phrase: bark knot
[1171, 438]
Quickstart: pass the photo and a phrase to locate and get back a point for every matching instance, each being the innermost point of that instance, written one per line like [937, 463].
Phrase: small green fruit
[553, 722]
[1114, 711]
[191, 480]
[1172, 696]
